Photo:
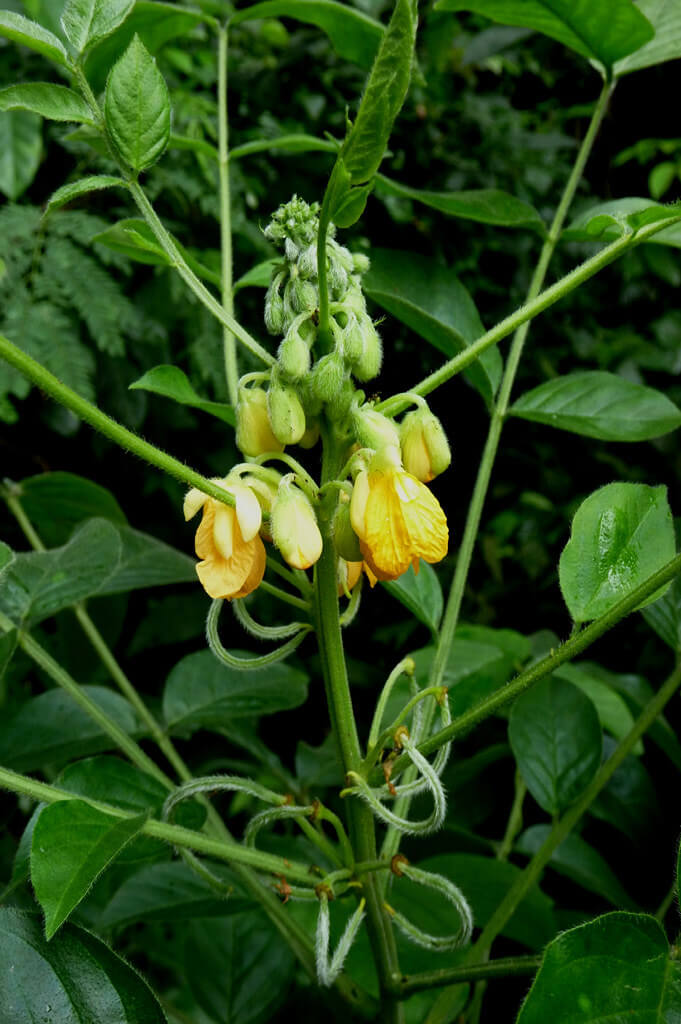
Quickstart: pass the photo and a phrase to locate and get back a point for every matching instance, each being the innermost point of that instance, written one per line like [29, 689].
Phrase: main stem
[362, 833]
[228, 339]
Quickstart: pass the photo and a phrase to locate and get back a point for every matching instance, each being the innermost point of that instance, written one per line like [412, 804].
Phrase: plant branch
[116, 432]
[506, 967]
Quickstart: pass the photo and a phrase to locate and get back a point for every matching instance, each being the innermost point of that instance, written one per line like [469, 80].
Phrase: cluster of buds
[386, 518]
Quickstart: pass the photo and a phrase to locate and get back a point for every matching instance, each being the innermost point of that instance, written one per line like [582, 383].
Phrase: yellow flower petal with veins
[397, 519]
[232, 564]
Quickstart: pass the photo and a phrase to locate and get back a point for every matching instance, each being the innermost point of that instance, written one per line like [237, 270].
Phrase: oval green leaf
[485, 205]
[72, 844]
[604, 31]
[94, 183]
[30, 33]
[55, 102]
[665, 17]
[556, 739]
[621, 535]
[354, 35]
[428, 298]
[76, 975]
[137, 107]
[608, 221]
[601, 405]
[171, 382]
[57, 502]
[21, 145]
[421, 594]
[615, 968]
[664, 615]
[201, 692]
[86, 22]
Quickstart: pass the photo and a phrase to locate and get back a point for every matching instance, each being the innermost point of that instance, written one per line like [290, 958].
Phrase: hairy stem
[506, 967]
[228, 339]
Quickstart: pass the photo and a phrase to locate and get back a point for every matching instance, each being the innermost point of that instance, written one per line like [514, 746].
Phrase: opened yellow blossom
[396, 517]
[227, 541]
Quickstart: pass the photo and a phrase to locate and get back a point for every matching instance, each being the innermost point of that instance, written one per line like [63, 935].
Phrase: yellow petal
[225, 530]
[386, 538]
[424, 520]
[204, 544]
[254, 578]
[358, 503]
[194, 500]
[224, 577]
[248, 511]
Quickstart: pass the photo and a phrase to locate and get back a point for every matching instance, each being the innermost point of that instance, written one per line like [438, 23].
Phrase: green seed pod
[344, 537]
[253, 431]
[286, 413]
[425, 448]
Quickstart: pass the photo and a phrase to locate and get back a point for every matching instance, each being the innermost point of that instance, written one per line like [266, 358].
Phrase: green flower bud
[344, 537]
[340, 404]
[304, 298]
[286, 413]
[369, 363]
[425, 448]
[361, 262]
[253, 431]
[294, 355]
[342, 255]
[374, 430]
[294, 526]
[338, 279]
[307, 262]
[274, 305]
[327, 376]
[311, 435]
[353, 340]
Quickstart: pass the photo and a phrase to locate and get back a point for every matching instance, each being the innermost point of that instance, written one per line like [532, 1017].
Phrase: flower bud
[344, 537]
[338, 279]
[274, 306]
[374, 430]
[339, 406]
[294, 355]
[253, 431]
[369, 363]
[425, 448]
[286, 413]
[307, 262]
[294, 526]
[327, 376]
[302, 295]
[361, 262]
[353, 340]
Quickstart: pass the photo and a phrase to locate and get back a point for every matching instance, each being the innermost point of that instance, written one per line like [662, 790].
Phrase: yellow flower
[397, 519]
[227, 541]
[294, 526]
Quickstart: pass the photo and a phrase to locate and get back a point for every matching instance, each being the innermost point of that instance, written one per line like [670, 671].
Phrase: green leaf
[134, 238]
[6, 556]
[354, 35]
[201, 692]
[137, 107]
[21, 144]
[615, 968]
[665, 17]
[171, 382]
[556, 739]
[606, 222]
[318, 766]
[57, 502]
[154, 22]
[169, 891]
[383, 96]
[601, 405]
[261, 967]
[76, 975]
[295, 143]
[76, 189]
[484, 882]
[613, 713]
[258, 276]
[621, 535]
[429, 299]
[86, 22]
[51, 729]
[485, 205]
[72, 844]
[55, 102]
[664, 615]
[637, 692]
[629, 802]
[29, 33]
[100, 558]
[575, 859]
[421, 594]
[114, 781]
[603, 31]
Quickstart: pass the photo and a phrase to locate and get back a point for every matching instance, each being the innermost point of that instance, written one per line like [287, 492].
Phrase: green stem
[324, 332]
[515, 818]
[506, 967]
[560, 831]
[123, 437]
[282, 595]
[167, 243]
[62, 678]
[228, 339]
[343, 721]
[566, 652]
